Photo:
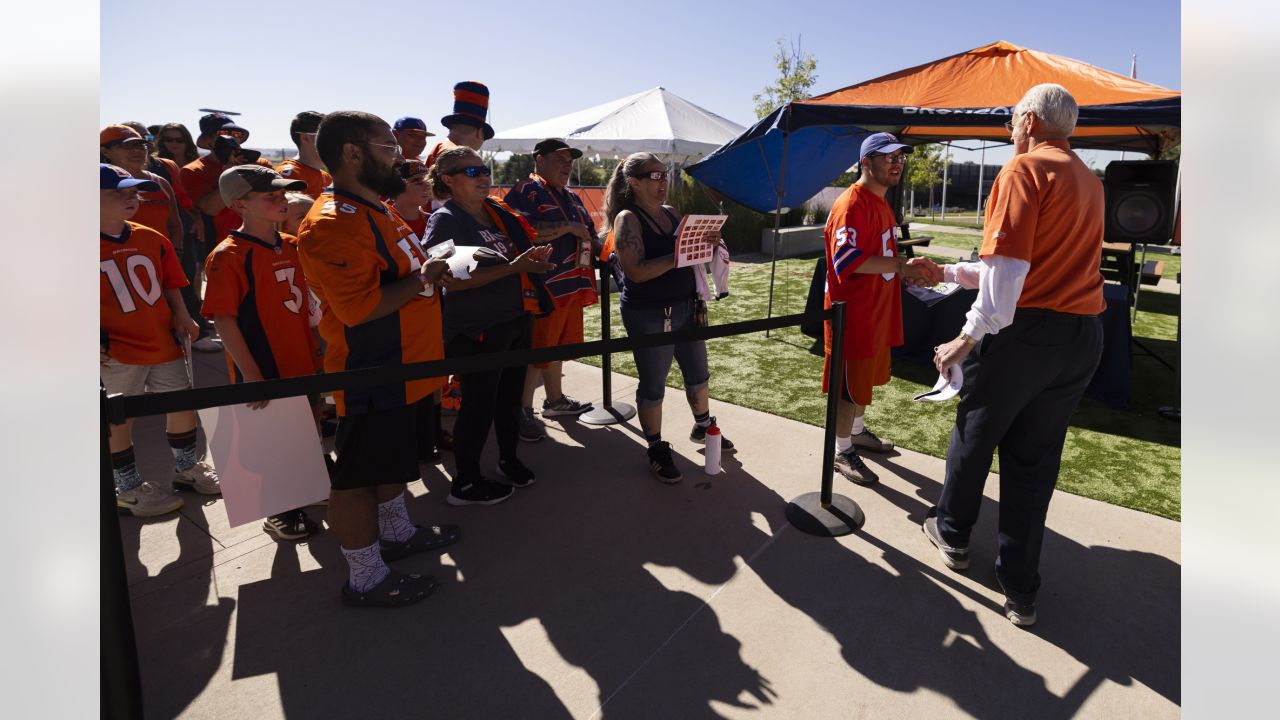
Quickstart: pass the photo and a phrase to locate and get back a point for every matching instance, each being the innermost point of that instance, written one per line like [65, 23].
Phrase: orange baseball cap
[118, 134]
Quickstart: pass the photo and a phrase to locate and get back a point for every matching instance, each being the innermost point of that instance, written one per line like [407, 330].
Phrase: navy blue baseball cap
[883, 143]
[411, 123]
[111, 177]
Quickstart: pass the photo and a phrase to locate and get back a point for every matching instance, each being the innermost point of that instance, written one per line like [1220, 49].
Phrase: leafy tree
[514, 170]
[924, 170]
[797, 72]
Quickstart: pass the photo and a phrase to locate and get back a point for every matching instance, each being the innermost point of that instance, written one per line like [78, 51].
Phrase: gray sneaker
[850, 465]
[956, 558]
[867, 440]
[530, 426]
[199, 477]
[147, 500]
[564, 406]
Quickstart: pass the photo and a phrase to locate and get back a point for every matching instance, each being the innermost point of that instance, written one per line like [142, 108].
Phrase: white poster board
[697, 237]
[268, 460]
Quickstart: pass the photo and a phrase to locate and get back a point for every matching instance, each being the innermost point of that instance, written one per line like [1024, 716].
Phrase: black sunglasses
[472, 171]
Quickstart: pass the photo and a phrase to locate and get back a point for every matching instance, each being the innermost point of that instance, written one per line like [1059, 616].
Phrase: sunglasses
[171, 138]
[656, 175]
[120, 143]
[895, 159]
[472, 171]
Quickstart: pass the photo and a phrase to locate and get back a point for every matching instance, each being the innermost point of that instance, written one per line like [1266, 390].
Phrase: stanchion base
[807, 514]
[608, 415]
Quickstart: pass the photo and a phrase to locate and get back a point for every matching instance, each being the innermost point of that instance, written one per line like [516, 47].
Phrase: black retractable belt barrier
[818, 513]
[823, 513]
[609, 412]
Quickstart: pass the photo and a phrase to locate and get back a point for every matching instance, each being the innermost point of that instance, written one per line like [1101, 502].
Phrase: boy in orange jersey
[257, 297]
[370, 274]
[307, 167]
[140, 301]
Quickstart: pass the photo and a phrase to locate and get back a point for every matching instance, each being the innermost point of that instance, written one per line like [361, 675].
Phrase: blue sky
[398, 59]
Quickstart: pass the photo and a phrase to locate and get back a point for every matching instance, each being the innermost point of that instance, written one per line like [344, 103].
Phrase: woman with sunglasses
[486, 312]
[657, 297]
[174, 142]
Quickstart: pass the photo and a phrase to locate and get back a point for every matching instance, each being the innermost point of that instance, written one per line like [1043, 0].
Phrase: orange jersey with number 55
[136, 321]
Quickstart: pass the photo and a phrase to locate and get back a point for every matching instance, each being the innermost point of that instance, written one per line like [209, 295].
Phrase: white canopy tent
[656, 121]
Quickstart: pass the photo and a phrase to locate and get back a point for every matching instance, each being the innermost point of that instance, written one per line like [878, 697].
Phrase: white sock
[859, 424]
[843, 444]
[394, 524]
[367, 567]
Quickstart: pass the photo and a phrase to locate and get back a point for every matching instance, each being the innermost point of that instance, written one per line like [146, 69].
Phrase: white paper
[944, 389]
[463, 261]
[697, 237]
[268, 460]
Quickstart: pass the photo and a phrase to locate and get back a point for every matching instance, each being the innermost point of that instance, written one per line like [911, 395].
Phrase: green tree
[924, 170]
[515, 169]
[797, 72]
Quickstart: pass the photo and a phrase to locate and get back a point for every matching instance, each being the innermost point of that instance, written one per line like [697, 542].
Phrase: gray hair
[1052, 104]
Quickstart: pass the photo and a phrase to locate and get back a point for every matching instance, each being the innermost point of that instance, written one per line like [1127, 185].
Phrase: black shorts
[376, 448]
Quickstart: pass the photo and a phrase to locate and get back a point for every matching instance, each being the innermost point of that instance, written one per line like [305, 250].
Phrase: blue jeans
[653, 363]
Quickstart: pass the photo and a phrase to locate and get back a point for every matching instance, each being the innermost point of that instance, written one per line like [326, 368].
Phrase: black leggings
[490, 398]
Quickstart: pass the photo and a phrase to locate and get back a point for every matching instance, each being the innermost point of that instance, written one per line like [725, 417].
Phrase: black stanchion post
[121, 695]
[824, 513]
[608, 412]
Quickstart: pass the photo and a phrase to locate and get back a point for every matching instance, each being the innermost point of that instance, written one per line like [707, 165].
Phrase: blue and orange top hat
[470, 107]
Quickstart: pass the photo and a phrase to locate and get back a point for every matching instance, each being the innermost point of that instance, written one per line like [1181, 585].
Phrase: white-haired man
[1039, 288]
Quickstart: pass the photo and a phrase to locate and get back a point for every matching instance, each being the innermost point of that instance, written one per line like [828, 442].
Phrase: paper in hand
[696, 238]
[944, 389]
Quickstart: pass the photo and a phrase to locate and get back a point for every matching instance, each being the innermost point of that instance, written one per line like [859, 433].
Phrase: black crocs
[426, 538]
[395, 590]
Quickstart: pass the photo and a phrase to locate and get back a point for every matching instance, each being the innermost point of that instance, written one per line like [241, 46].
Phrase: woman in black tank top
[657, 297]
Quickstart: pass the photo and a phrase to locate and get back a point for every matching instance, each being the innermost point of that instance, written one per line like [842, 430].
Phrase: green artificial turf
[1130, 458]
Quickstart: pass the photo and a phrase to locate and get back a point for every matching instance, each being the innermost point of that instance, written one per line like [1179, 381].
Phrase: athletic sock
[394, 524]
[183, 446]
[843, 444]
[653, 439]
[367, 567]
[125, 470]
[859, 424]
[703, 420]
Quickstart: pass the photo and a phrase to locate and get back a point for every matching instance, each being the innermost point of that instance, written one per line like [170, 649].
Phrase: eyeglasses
[395, 149]
[472, 171]
[894, 159]
[1009, 125]
[130, 143]
[656, 175]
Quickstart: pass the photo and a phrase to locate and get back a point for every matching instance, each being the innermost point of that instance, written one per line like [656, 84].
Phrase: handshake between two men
[920, 272]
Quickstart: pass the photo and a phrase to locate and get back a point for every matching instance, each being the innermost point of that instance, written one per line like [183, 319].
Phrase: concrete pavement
[599, 592]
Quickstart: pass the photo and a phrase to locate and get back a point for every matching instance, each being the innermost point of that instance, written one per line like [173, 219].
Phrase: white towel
[719, 269]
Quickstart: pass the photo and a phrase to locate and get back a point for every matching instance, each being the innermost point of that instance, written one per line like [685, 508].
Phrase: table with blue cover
[924, 327]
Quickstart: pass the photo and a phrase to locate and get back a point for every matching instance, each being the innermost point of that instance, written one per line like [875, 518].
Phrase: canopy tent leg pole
[982, 165]
[946, 166]
[777, 223]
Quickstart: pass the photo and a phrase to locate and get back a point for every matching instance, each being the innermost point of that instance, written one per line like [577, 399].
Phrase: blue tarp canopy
[795, 151]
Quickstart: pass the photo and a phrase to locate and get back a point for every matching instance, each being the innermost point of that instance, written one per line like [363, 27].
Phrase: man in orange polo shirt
[1029, 346]
[307, 167]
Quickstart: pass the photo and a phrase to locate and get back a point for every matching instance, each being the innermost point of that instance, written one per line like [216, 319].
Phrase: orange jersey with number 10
[261, 284]
[136, 321]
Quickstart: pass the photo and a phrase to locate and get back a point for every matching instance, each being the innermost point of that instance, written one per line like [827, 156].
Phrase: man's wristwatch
[968, 340]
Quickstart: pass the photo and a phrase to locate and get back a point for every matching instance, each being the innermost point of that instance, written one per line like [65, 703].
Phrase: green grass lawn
[1131, 458]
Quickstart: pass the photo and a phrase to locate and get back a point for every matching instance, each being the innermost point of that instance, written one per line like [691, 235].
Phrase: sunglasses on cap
[658, 175]
[472, 171]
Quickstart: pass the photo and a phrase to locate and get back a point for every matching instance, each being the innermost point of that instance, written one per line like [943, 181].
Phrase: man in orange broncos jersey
[307, 167]
[862, 270]
[140, 301]
[370, 274]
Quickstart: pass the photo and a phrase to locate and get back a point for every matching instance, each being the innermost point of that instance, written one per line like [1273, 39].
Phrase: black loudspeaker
[1140, 202]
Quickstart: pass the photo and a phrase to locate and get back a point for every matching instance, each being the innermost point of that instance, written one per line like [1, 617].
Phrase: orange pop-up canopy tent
[793, 152]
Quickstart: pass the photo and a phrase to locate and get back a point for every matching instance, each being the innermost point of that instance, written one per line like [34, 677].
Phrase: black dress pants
[1021, 387]
[490, 398]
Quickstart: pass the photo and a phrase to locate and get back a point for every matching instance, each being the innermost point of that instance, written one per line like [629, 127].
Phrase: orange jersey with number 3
[136, 320]
[350, 250]
[261, 284]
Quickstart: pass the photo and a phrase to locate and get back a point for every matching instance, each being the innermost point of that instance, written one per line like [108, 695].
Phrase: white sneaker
[147, 500]
[200, 478]
[208, 344]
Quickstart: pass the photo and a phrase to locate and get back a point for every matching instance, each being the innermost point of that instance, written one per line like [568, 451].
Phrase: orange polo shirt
[1047, 207]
